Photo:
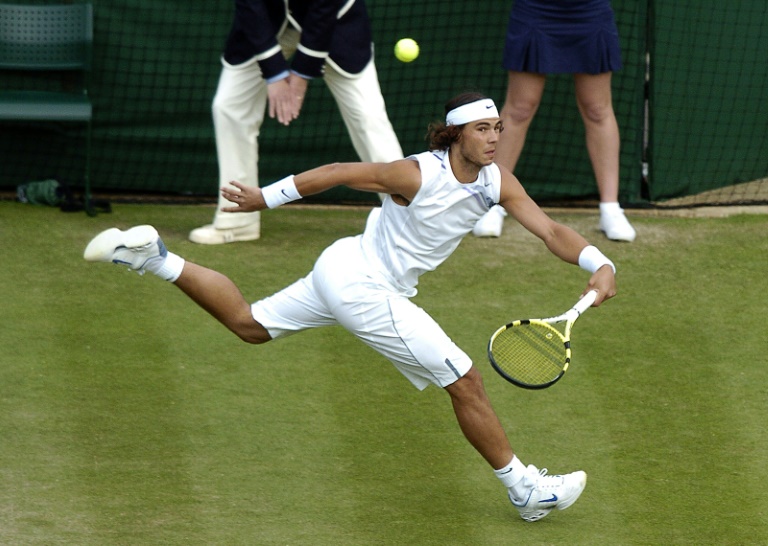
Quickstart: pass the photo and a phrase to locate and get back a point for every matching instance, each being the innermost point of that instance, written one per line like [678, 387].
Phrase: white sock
[169, 269]
[511, 474]
[610, 208]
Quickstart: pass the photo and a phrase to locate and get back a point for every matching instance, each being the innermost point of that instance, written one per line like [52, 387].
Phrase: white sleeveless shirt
[404, 242]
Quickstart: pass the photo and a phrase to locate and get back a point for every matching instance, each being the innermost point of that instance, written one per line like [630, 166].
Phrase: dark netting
[709, 75]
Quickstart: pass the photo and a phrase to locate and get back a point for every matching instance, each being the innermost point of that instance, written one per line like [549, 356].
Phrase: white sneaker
[548, 492]
[616, 226]
[137, 247]
[491, 224]
[209, 235]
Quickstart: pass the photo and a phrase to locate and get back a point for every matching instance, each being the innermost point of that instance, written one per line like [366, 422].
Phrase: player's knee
[474, 379]
[254, 338]
[468, 386]
[250, 332]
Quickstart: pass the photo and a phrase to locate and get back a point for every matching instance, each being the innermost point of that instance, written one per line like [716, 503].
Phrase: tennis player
[365, 282]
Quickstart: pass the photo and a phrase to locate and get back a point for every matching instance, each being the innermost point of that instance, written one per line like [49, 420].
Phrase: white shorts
[339, 290]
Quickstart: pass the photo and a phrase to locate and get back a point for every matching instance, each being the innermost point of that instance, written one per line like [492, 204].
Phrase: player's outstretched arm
[401, 178]
[561, 240]
[564, 242]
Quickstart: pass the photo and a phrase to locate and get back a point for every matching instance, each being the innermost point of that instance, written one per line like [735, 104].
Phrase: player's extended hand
[245, 198]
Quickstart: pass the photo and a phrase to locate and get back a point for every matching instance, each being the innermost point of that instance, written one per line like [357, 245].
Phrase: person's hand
[604, 281]
[298, 87]
[282, 101]
[245, 198]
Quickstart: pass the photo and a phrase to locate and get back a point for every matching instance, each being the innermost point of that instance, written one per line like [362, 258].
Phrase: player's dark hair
[439, 135]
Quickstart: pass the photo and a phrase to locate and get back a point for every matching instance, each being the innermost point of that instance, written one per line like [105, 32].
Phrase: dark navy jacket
[337, 31]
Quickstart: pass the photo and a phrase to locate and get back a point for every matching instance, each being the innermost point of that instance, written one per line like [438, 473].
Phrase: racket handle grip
[586, 302]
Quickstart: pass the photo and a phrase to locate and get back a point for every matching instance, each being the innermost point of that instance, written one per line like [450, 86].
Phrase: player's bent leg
[536, 494]
[478, 420]
[218, 295]
[141, 249]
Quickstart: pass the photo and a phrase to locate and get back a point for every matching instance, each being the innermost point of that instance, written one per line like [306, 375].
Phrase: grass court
[129, 416]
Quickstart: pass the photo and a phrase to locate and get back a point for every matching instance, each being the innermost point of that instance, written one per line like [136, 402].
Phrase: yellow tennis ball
[406, 50]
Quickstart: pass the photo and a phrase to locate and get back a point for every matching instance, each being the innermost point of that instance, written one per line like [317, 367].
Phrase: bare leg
[524, 92]
[218, 295]
[593, 96]
[478, 420]
[523, 96]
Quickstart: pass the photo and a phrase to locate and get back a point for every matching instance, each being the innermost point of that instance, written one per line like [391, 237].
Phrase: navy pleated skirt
[562, 36]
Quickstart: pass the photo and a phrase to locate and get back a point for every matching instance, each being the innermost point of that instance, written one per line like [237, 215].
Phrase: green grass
[129, 416]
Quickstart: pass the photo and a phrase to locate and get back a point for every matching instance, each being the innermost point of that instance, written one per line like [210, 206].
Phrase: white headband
[480, 109]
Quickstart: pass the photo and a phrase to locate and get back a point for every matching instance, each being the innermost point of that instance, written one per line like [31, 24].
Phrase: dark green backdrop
[709, 124]
[157, 64]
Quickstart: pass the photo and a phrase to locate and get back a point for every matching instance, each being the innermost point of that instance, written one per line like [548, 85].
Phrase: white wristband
[280, 192]
[592, 259]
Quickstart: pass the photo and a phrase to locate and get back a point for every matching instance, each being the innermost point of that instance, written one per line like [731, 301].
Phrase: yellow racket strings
[531, 353]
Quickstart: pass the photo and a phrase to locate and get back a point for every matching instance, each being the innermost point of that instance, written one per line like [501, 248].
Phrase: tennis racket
[532, 353]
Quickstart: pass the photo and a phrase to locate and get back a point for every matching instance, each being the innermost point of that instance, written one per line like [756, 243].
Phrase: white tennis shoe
[209, 235]
[616, 226]
[548, 492]
[137, 248]
[491, 223]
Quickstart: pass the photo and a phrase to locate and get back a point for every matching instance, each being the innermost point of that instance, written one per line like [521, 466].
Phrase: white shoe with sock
[491, 223]
[140, 248]
[210, 235]
[539, 494]
[614, 223]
